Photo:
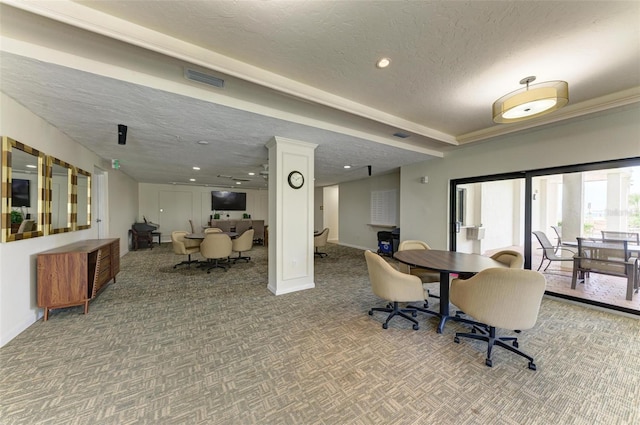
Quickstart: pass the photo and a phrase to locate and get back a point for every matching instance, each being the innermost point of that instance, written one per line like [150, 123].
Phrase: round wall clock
[296, 179]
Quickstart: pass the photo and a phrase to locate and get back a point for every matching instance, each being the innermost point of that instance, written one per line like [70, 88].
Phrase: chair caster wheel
[416, 327]
[385, 326]
[414, 313]
[517, 331]
[370, 312]
[488, 362]
[532, 366]
[473, 330]
[515, 344]
[456, 340]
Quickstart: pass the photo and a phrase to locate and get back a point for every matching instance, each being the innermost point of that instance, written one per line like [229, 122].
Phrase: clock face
[296, 179]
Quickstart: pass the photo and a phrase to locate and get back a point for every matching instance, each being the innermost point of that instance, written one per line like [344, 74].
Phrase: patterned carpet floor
[180, 346]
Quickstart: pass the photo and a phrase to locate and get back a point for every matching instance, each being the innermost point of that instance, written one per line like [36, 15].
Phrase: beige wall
[18, 308]
[198, 208]
[614, 134]
[355, 210]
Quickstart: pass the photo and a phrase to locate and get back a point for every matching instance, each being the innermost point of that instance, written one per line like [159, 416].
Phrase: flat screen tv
[228, 201]
[20, 193]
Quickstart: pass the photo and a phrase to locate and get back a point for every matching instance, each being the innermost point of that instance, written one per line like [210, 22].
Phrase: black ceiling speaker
[122, 134]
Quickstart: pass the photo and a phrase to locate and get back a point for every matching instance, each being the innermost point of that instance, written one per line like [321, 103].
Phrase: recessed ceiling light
[383, 63]
[238, 182]
[203, 142]
[31, 166]
[347, 166]
[192, 180]
[252, 174]
[196, 168]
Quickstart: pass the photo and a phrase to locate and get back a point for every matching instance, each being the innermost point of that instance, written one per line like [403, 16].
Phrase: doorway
[500, 212]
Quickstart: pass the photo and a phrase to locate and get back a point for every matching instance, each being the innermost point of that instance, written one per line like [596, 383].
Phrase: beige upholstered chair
[183, 246]
[394, 286]
[26, 226]
[212, 230]
[242, 243]
[193, 230]
[425, 275]
[216, 247]
[500, 298]
[319, 241]
[513, 259]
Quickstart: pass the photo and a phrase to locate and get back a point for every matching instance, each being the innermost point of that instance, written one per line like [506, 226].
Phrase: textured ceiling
[450, 61]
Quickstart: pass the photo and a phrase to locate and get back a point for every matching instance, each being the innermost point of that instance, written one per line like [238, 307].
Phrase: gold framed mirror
[82, 202]
[23, 194]
[59, 190]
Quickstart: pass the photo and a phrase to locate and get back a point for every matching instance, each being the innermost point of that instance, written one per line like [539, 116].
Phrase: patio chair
[551, 253]
[558, 231]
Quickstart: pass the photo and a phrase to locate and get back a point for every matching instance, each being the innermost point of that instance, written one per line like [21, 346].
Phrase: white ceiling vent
[203, 78]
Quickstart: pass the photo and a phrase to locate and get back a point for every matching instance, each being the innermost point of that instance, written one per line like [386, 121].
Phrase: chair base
[217, 264]
[320, 254]
[188, 262]
[395, 310]
[241, 257]
[492, 340]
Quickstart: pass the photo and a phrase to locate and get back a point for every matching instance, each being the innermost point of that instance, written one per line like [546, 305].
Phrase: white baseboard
[21, 327]
[358, 247]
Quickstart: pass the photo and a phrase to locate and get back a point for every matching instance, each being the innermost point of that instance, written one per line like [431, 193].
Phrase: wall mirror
[83, 200]
[23, 172]
[60, 187]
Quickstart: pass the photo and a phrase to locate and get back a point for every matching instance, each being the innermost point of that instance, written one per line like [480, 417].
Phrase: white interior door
[99, 202]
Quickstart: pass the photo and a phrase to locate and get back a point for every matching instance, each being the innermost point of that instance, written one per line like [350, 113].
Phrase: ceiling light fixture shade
[531, 101]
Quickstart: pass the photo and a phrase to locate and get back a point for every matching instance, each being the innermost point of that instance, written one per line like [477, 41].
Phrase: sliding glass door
[492, 213]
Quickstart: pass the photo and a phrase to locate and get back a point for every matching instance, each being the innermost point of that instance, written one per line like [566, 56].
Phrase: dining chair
[550, 252]
[558, 231]
[216, 248]
[631, 237]
[242, 243]
[510, 258]
[184, 246]
[503, 298]
[394, 286]
[26, 226]
[319, 241]
[425, 275]
[212, 230]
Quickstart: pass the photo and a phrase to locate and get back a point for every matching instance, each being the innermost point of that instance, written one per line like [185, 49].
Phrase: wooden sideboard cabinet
[73, 274]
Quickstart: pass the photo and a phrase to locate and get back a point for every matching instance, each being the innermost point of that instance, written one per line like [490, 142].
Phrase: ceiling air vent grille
[203, 78]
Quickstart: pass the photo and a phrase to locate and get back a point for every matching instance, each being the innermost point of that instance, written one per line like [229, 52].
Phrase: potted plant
[216, 216]
[16, 217]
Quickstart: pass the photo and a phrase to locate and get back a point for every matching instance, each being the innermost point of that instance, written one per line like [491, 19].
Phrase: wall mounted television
[222, 200]
[20, 193]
